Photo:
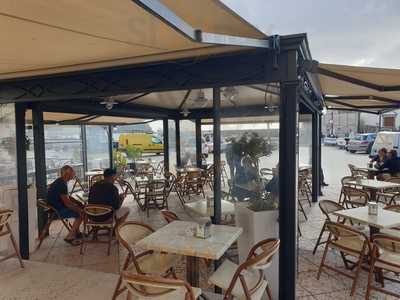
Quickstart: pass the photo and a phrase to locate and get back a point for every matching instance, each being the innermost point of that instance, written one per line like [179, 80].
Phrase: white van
[386, 139]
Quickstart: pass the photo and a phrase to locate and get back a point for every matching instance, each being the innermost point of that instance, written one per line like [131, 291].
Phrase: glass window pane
[97, 147]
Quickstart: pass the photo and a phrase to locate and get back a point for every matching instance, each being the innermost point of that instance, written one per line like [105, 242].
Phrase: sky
[354, 32]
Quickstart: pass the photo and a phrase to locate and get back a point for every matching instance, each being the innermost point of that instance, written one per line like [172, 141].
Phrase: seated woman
[57, 196]
[379, 159]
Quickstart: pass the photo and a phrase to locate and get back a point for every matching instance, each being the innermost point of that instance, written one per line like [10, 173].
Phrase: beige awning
[46, 37]
[370, 89]
[69, 118]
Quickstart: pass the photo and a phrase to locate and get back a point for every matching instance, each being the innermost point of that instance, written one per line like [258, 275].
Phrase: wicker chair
[5, 230]
[154, 287]
[348, 241]
[389, 195]
[169, 216]
[95, 178]
[246, 281]
[345, 182]
[327, 207]
[385, 256]
[91, 224]
[155, 195]
[354, 197]
[52, 215]
[145, 262]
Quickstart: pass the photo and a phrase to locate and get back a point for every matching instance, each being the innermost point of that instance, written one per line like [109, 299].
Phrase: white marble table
[374, 185]
[384, 218]
[177, 238]
[200, 208]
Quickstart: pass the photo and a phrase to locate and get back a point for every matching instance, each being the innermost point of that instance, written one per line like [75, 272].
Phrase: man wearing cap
[106, 193]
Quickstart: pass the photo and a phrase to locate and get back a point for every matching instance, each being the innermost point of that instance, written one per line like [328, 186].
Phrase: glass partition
[188, 143]
[97, 147]
[172, 144]
[63, 144]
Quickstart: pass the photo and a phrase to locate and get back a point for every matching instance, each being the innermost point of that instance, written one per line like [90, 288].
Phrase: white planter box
[9, 199]
[258, 226]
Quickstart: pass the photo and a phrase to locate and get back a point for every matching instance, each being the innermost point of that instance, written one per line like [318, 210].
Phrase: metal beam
[237, 68]
[40, 161]
[363, 97]
[217, 154]
[353, 109]
[166, 145]
[162, 12]
[110, 146]
[23, 208]
[316, 131]
[84, 149]
[288, 173]
[178, 143]
[199, 160]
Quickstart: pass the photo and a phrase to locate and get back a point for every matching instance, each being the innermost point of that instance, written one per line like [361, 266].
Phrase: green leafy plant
[133, 152]
[262, 200]
[119, 159]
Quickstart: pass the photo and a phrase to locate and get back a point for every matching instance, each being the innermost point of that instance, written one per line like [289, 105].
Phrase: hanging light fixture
[185, 112]
[109, 103]
[269, 101]
[230, 93]
[201, 99]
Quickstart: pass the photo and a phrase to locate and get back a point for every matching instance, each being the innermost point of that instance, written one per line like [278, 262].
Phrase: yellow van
[146, 142]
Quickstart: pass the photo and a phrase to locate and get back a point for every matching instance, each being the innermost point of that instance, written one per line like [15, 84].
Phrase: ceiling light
[109, 103]
[230, 93]
[185, 112]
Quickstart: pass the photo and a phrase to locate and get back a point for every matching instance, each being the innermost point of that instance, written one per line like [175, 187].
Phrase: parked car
[341, 143]
[362, 142]
[330, 141]
[386, 139]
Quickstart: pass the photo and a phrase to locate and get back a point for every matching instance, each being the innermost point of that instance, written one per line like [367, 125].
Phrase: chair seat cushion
[156, 263]
[349, 245]
[224, 274]
[391, 257]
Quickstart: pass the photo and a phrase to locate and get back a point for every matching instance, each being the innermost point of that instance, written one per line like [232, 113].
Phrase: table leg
[373, 195]
[217, 263]
[373, 230]
[193, 271]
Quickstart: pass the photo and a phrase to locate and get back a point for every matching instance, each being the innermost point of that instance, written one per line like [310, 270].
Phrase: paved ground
[331, 286]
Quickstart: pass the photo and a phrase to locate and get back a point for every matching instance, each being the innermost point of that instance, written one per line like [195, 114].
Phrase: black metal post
[40, 161]
[23, 213]
[199, 159]
[110, 145]
[380, 122]
[217, 154]
[166, 145]
[84, 149]
[320, 151]
[288, 172]
[315, 156]
[178, 143]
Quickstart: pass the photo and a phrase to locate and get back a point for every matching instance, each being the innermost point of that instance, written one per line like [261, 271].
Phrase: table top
[200, 207]
[384, 218]
[374, 184]
[94, 173]
[177, 238]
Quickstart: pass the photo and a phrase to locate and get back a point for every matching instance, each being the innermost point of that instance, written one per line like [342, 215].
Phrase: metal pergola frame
[279, 61]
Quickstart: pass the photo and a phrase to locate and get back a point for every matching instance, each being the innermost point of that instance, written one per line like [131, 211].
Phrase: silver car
[362, 143]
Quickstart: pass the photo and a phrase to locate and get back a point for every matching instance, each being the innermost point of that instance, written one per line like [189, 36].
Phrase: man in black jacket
[106, 193]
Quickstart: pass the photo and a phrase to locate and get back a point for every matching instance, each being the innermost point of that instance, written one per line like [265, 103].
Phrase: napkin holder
[373, 208]
[359, 179]
[203, 229]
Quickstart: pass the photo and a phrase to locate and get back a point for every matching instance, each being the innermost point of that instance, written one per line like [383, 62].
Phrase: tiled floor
[331, 286]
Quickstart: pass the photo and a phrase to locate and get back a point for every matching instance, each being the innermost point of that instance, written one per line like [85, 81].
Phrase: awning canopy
[366, 89]
[47, 37]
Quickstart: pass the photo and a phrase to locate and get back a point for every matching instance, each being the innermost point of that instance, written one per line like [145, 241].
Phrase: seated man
[57, 197]
[106, 193]
[391, 167]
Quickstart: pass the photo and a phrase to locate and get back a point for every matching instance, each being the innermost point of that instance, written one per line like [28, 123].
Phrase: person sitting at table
[104, 192]
[391, 167]
[380, 158]
[57, 196]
